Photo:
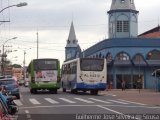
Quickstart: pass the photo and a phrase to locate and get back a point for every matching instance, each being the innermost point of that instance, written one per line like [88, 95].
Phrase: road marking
[66, 100]
[18, 102]
[118, 102]
[110, 109]
[51, 100]
[28, 115]
[111, 95]
[132, 102]
[91, 105]
[86, 101]
[34, 101]
[98, 100]
[123, 115]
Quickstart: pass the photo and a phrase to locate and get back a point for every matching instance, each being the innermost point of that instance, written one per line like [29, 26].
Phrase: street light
[24, 62]
[8, 40]
[18, 5]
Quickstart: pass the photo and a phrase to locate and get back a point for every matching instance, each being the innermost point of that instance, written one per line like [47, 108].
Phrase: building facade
[130, 58]
[18, 73]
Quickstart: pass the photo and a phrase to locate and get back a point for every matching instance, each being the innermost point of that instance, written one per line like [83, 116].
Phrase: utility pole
[4, 55]
[24, 69]
[37, 44]
[2, 60]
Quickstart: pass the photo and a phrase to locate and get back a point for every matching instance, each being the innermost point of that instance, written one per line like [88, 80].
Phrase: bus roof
[73, 60]
[45, 59]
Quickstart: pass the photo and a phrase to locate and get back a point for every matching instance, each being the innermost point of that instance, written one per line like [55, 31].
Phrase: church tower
[123, 19]
[72, 49]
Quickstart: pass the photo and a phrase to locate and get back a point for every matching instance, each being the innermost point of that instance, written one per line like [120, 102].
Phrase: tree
[16, 66]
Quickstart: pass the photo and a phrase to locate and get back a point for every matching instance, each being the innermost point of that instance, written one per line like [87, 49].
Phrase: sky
[52, 20]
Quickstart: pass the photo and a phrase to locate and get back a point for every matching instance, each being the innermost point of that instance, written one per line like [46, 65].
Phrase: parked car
[11, 86]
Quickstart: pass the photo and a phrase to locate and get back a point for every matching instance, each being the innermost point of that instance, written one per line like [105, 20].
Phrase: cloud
[52, 18]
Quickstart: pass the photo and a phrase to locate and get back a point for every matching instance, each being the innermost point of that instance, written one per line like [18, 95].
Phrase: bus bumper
[84, 86]
[45, 86]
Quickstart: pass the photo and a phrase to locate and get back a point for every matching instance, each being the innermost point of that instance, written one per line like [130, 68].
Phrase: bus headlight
[32, 79]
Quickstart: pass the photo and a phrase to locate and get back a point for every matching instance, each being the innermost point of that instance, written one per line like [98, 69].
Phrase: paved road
[66, 106]
[149, 97]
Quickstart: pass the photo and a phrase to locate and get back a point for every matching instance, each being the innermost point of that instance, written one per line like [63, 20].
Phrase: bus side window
[68, 69]
[74, 68]
[64, 69]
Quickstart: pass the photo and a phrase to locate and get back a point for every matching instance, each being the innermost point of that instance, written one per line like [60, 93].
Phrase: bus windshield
[91, 64]
[45, 64]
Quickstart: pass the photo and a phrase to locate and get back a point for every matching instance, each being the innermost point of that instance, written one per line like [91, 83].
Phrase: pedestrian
[123, 84]
[139, 84]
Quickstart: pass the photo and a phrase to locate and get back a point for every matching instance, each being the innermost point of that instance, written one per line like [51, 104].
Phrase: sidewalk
[148, 97]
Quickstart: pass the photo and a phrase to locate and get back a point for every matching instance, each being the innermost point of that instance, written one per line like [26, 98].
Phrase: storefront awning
[153, 62]
[139, 63]
[122, 63]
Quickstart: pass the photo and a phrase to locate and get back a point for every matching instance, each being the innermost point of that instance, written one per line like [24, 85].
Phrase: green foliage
[16, 66]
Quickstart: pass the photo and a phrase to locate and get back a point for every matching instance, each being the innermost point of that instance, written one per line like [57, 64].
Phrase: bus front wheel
[74, 91]
[33, 91]
[94, 92]
[64, 89]
[53, 91]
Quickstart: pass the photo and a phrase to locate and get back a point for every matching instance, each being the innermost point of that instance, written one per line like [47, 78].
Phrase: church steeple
[72, 41]
[123, 5]
[72, 49]
[123, 19]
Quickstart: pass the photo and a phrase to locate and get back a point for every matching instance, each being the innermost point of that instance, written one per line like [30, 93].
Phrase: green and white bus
[44, 74]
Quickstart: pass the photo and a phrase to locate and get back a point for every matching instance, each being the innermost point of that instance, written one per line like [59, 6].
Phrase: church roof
[72, 41]
[123, 42]
[153, 33]
[122, 5]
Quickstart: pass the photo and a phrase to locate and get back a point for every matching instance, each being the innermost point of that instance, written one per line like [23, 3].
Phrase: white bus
[84, 74]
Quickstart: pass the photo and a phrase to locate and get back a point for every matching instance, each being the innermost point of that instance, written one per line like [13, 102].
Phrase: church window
[122, 26]
[122, 56]
[119, 26]
[138, 58]
[112, 27]
[125, 26]
[153, 55]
